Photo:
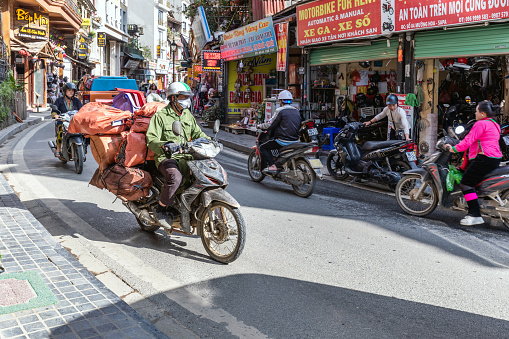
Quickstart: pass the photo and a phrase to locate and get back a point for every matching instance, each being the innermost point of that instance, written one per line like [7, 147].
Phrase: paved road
[343, 263]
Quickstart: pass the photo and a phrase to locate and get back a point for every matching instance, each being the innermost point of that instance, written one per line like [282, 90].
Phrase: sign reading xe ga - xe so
[331, 20]
[418, 14]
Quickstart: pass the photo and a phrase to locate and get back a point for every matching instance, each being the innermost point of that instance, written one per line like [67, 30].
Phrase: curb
[18, 127]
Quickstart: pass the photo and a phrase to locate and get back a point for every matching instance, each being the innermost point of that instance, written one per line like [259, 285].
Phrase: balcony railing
[73, 5]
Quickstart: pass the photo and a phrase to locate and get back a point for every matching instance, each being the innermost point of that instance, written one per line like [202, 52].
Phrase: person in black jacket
[284, 130]
[65, 103]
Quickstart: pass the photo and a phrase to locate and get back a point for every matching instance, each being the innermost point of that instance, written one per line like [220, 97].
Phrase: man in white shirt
[397, 118]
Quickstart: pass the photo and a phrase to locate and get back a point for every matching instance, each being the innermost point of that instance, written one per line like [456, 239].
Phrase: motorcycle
[73, 145]
[387, 7]
[381, 161]
[296, 165]
[388, 26]
[308, 131]
[206, 209]
[421, 190]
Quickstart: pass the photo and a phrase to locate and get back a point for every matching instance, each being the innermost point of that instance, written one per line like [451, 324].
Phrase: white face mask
[186, 103]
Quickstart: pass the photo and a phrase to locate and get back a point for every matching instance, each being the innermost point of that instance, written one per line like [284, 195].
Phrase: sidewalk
[240, 142]
[44, 291]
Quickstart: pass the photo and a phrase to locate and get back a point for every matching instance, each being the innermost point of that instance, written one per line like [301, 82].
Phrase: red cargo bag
[96, 118]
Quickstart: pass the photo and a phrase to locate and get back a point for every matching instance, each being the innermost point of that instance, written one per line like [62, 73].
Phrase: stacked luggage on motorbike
[117, 143]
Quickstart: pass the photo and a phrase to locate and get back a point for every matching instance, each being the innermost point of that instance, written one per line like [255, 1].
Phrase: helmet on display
[360, 98]
[365, 64]
[179, 88]
[285, 96]
[391, 99]
[378, 100]
[69, 85]
[463, 60]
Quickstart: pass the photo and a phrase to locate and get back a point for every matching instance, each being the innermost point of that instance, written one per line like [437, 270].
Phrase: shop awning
[81, 63]
[377, 50]
[36, 48]
[134, 56]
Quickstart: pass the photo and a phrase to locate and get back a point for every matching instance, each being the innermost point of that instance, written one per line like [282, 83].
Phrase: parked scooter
[296, 165]
[73, 145]
[421, 190]
[308, 131]
[380, 161]
[206, 209]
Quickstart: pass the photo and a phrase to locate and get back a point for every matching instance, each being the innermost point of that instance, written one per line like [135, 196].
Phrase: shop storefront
[161, 71]
[249, 54]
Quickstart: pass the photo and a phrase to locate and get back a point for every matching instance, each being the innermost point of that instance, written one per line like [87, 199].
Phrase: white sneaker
[471, 221]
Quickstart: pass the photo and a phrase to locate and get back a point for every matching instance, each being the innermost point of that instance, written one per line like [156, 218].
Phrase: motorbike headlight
[460, 129]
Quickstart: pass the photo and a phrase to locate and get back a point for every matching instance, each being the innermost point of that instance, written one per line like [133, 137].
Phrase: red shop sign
[418, 14]
[332, 20]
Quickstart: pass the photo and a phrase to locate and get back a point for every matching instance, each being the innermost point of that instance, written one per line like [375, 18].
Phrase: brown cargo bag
[134, 150]
[96, 118]
[130, 183]
[105, 148]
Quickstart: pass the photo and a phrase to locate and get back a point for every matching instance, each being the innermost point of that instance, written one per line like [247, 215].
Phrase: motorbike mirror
[177, 128]
[459, 130]
[217, 123]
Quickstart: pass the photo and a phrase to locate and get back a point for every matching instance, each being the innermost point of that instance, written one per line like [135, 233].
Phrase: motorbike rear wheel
[254, 167]
[307, 188]
[335, 166]
[78, 154]
[225, 242]
[505, 221]
[407, 188]
[147, 227]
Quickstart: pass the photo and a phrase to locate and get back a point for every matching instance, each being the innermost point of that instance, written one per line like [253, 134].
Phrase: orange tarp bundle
[136, 150]
[96, 118]
[105, 148]
[149, 109]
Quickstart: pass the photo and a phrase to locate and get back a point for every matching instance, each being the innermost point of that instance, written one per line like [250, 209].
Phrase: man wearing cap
[284, 130]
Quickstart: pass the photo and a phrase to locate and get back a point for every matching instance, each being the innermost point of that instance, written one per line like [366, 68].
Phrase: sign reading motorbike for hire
[418, 14]
[332, 20]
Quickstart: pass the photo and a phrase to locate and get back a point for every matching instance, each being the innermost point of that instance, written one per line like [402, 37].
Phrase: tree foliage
[222, 15]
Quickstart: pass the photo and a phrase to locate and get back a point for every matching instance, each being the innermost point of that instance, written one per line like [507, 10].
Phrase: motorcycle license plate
[411, 156]
[506, 139]
[315, 163]
[312, 131]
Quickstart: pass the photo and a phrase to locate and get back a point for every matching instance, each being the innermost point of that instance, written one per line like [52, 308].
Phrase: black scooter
[421, 190]
[380, 161]
[73, 145]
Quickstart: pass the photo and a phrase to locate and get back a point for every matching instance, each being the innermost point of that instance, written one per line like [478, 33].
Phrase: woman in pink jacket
[484, 156]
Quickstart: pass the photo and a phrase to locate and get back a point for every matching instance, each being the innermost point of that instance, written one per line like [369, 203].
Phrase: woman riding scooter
[484, 156]
[67, 102]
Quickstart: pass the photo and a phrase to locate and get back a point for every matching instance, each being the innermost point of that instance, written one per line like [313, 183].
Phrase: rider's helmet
[179, 88]
[69, 85]
[285, 96]
[391, 99]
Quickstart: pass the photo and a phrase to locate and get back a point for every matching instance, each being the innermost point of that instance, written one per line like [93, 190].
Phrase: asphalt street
[346, 262]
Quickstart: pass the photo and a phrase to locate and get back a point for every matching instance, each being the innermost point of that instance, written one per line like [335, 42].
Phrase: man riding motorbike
[67, 102]
[161, 139]
[397, 119]
[284, 129]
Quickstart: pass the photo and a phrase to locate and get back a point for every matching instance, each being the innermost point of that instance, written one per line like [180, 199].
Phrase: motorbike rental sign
[332, 20]
[30, 24]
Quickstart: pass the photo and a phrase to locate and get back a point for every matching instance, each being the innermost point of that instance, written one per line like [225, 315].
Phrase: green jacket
[160, 131]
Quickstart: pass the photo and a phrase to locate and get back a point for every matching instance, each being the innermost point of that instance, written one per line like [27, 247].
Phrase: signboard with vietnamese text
[415, 14]
[241, 98]
[251, 40]
[333, 20]
[30, 24]
[101, 39]
[211, 61]
[282, 45]
[85, 22]
[82, 48]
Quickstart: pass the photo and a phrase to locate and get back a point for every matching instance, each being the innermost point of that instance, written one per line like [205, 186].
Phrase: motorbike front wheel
[78, 154]
[391, 11]
[308, 175]
[223, 240]
[335, 166]
[407, 190]
[254, 167]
